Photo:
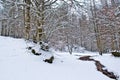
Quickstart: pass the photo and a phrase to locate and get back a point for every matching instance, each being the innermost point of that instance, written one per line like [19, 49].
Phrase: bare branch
[51, 3]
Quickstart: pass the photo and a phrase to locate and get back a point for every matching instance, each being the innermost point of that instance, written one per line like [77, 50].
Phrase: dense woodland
[64, 24]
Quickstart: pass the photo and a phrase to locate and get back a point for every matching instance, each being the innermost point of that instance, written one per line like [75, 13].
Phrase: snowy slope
[16, 63]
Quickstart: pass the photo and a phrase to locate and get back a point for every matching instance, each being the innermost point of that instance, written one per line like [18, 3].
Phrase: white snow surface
[17, 63]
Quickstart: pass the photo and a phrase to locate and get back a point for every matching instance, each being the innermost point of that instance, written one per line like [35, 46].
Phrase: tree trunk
[2, 28]
[97, 35]
[112, 43]
[27, 19]
[40, 23]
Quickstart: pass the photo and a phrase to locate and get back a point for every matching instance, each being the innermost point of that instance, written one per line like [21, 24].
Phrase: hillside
[18, 63]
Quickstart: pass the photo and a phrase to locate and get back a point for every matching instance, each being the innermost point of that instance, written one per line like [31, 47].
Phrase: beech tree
[64, 25]
[40, 8]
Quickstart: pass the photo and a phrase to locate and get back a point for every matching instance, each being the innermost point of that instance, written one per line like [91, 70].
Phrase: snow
[17, 63]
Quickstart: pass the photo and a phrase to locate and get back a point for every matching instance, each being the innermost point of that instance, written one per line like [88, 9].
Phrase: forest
[64, 25]
[59, 39]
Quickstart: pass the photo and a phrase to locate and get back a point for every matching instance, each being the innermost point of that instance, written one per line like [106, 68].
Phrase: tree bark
[27, 19]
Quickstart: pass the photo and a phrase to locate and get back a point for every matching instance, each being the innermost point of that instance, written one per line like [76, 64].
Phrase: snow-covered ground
[112, 63]
[17, 63]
